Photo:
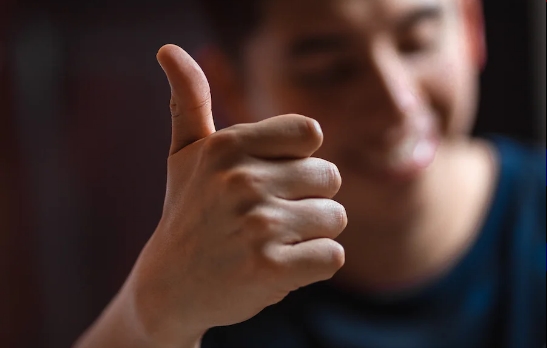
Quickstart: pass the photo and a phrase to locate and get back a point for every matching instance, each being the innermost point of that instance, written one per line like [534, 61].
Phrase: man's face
[388, 80]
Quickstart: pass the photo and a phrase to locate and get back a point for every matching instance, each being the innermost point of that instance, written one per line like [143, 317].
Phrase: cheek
[452, 87]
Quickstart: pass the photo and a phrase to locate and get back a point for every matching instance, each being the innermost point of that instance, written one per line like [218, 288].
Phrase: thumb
[190, 97]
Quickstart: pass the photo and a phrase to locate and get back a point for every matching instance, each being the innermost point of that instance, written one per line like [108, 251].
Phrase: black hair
[231, 22]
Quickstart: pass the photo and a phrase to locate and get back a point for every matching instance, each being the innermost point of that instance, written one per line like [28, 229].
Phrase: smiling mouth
[404, 159]
[415, 151]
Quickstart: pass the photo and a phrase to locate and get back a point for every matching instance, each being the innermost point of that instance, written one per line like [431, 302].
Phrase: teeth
[415, 148]
[423, 151]
[404, 153]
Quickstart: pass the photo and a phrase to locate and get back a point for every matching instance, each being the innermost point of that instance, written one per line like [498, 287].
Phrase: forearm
[120, 326]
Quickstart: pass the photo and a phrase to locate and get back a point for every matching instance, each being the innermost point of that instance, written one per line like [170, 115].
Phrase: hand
[248, 214]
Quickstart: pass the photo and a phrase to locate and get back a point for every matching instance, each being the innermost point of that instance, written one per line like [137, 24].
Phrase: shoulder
[519, 214]
[523, 162]
[522, 176]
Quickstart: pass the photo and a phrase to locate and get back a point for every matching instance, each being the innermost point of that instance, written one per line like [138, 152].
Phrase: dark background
[84, 135]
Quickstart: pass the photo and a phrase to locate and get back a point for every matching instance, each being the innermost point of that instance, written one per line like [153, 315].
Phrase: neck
[419, 233]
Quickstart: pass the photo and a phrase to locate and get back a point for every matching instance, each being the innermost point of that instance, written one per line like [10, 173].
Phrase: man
[445, 241]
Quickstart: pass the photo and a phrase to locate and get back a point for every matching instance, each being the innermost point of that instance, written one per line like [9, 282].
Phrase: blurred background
[85, 130]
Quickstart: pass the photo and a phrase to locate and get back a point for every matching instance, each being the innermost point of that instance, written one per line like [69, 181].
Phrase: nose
[391, 93]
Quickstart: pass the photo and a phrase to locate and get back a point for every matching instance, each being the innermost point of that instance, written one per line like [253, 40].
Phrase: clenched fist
[248, 216]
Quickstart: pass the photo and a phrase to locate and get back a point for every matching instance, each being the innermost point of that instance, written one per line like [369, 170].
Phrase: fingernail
[317, 127]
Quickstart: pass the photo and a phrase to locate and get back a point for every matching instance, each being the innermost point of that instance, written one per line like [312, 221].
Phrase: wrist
[158, 328]
[119, 327]
[152, 312]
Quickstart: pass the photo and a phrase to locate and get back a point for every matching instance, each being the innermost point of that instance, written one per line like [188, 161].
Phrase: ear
[473, 14]
[227, 86]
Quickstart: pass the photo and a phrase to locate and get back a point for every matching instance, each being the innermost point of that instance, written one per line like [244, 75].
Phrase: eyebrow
[430, 11]
[328, 43]
[318, 44]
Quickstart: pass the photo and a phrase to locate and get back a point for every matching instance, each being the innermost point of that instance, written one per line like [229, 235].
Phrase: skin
[249, 214]
[382, 68]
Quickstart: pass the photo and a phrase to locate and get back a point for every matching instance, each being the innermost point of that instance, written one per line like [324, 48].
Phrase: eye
[333, 74]
[420, 37]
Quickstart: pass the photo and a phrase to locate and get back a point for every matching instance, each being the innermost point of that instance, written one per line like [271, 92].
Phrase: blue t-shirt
[494, 297]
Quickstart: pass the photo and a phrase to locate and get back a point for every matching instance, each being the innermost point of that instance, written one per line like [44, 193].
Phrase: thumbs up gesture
[248, 215]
